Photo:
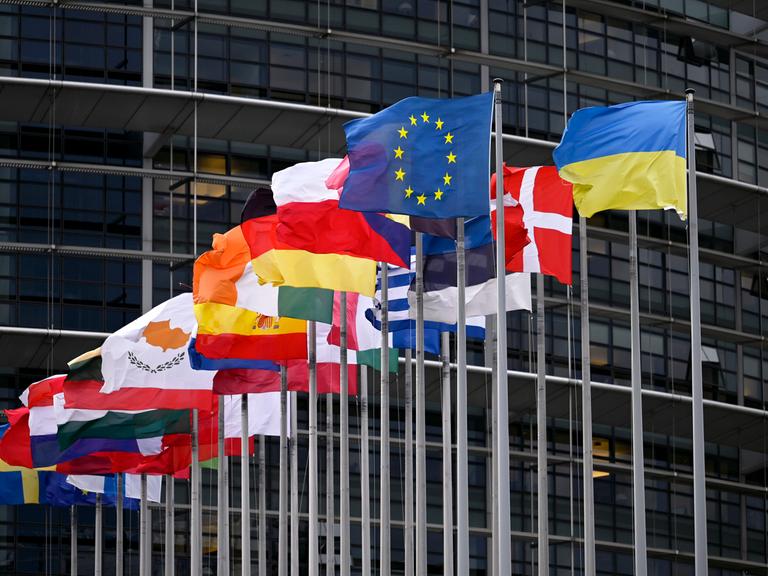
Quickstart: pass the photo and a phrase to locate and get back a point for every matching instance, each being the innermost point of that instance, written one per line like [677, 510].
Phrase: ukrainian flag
[626, 157]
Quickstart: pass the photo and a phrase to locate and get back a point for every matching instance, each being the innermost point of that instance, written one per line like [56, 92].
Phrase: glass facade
[98, 223]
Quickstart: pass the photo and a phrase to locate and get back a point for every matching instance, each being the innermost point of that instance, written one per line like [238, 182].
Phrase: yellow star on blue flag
[421, 157]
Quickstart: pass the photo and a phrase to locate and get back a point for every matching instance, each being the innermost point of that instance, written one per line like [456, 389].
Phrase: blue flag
[422, 157]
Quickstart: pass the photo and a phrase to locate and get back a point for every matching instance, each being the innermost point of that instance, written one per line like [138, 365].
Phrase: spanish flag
[626, 157]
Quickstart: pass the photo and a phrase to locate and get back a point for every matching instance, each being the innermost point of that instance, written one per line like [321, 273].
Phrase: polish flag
[545, 203]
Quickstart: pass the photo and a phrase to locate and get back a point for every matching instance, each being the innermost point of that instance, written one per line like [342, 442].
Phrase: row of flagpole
[416, 531]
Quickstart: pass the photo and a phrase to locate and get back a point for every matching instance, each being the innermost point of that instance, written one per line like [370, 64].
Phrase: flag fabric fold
[626, 157]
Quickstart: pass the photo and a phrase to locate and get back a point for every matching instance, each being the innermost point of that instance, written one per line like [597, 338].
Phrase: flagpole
[146, 529]
[365, 474]
[245, 485]
[697, 405]
[344, 441]
[445, 349]
[142, 531]
[313, 488]
[502, 404]
[541, 430]
[222, 497]
[421, 479]
[384, 513]
[462, 466]
[586, 406]
[408, 516]
[329, 488]
[294, 453]
[262, 542]
[196, 524]
[119, 525]
[99, 536]
[73, 540]
[491, 327]
[638, 461]
[170, 528]
[282, 533]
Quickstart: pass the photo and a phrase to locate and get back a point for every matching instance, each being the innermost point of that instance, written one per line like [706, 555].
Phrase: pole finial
[690, 91]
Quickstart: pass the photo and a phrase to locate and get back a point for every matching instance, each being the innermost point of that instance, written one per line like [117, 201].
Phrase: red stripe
[246, 381]
[41, 393]
[86, 394]
[277, 347]
[328, 377]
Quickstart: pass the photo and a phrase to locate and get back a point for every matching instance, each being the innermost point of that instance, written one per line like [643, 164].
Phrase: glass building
[132, 131]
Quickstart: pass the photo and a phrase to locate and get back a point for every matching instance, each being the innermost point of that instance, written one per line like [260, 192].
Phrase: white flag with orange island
[149, 356]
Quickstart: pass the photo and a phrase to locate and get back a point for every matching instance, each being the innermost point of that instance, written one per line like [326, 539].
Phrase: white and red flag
[545, 203]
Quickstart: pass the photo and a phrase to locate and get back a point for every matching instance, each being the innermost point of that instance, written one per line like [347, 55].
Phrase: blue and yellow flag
[421, 157]
[626, 157]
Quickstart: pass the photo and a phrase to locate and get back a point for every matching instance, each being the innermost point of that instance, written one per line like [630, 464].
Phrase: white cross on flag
[546, 201]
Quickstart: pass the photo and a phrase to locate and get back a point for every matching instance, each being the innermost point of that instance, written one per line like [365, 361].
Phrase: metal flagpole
[365, 474]
[245, 484]
[119, 525]
[638, 461]
[294, 450]
[196, 521]
[502, 398]
[408, 516]
[282, 533]
[384, 512]
[541, 430]
[262, 506]
[344, 441]
[99, 535]
[697, 406]
[330, 547]
[445, 349]
[313, 491]
[491, 326]
[146, 529]
[143, 529]
[170, 528]
[421, 466]
[462, 466]
[586, 406]
[73, 540]
[222, 498]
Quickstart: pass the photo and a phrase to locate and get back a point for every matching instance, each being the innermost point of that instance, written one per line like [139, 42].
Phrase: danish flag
[544, 201]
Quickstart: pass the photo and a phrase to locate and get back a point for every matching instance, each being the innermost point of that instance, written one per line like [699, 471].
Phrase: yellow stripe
[631, 181]
[5, 467]
[31, 485]
[303, 269]
[214, 318]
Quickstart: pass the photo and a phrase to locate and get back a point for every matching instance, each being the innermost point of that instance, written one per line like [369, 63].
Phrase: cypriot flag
[149, 356]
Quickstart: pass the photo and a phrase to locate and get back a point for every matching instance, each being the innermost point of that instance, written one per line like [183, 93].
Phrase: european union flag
[421, 157]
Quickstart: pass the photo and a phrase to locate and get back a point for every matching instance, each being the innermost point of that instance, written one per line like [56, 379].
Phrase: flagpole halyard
[99, 532]
[196, 522]
[262, 542]
[502, 397]
[365, 478]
